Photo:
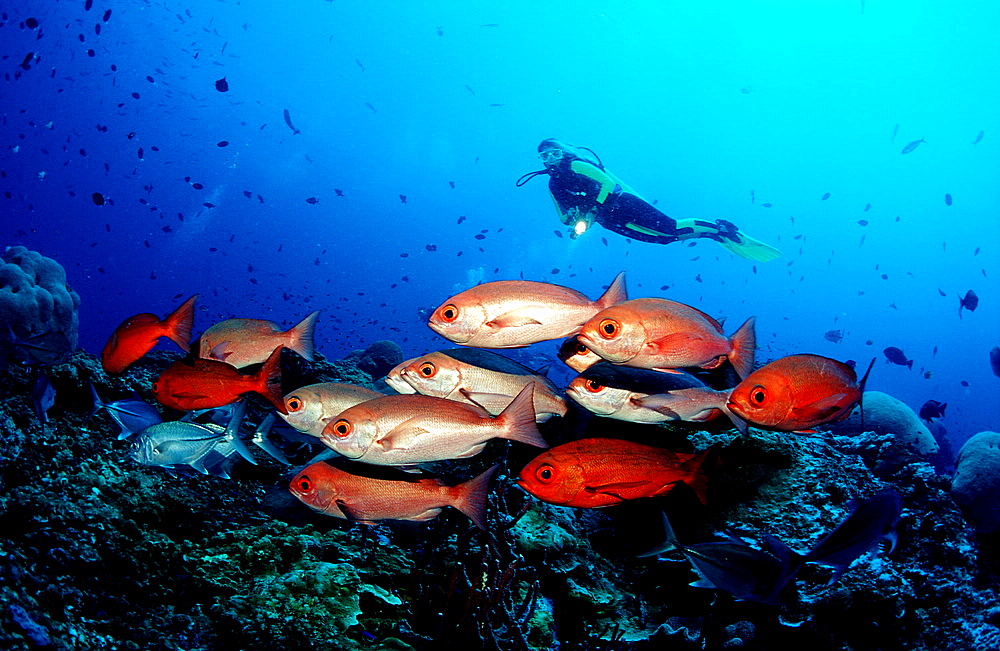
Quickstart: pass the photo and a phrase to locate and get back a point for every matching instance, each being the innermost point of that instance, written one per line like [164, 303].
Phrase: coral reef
[100, 552]
[378, 359]
[893, 435]
[35, 299]
[976, 486]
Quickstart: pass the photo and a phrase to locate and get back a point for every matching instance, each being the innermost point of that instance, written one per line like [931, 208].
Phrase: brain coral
[976, 487]
[34, 297]
[899, 435]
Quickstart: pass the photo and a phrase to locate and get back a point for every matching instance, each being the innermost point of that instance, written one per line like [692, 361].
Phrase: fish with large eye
[658, 334]
[643, 396]
[518, 313]
[798, 392]
[338, 493]
[405, 430]
[597, 472]
[477, 377]
[577, 356]
[312, 407]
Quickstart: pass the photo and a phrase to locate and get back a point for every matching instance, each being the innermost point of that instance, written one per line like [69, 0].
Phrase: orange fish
[411, 429]
[798, 392]
[517, 313]
[591, 473]
[663, 335]
[341, 494]
[242, 342]
[137, 335]
[207, 383]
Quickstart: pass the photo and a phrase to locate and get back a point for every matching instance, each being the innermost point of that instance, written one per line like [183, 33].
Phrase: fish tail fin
[616, 293]
[517, 421]
[744, 346]
[269, 381]
[180, 322]
[232, 435]
[470, 497]
[96, 400]
[300, 338]
[697, 478]
[909, 364]
[669, 543]
[738, 423]
[260, 440]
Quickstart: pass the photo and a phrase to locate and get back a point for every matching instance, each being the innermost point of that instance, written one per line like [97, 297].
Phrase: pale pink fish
[518, 313]
[663, 335]
[241, 342]
[311, 407]
[477, 377]
[338, 493]
[412, 429]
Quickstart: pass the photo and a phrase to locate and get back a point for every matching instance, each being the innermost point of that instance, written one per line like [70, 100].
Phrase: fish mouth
[450, 335]
[400, 383]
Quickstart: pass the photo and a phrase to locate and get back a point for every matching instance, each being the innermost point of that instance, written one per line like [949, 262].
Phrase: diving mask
[551, 156]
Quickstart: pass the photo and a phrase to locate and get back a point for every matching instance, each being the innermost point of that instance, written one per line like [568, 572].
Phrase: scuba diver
[584, 192]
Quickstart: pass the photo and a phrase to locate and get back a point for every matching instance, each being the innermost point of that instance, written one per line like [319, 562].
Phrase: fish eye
[609, 328]
[594, 386]
[304, 484]
[293, 403]
[341, 428]
[156, 387]
[581, 349]
[758, 395]
[427, 369]
[545, 473]
[448, 313]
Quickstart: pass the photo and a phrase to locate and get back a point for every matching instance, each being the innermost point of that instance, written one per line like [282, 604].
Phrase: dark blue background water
[692, 104]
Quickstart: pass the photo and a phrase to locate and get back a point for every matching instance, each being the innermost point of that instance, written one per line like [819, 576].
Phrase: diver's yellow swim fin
[751, 249]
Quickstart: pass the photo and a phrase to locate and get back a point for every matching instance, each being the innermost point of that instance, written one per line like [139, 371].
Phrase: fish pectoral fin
[522, 316]
[351, 514]
[660, 403]
[219, 352]
[401, 437]
[614, 490]
[822, 408]
[675, 342]
[494, 403]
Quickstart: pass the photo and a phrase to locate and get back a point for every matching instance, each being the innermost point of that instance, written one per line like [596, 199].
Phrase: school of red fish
[645, 360]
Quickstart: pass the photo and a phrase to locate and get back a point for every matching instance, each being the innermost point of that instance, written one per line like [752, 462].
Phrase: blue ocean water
[714, 110]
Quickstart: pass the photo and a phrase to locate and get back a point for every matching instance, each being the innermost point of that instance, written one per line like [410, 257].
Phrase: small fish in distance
[932, 409]
[288, 121]
[970, 302]
[312, 201]
[898, 357]
[911, 146]
[834, 335]
[222, 85]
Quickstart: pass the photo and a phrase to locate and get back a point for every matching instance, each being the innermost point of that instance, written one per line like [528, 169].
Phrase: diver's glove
[727, 231]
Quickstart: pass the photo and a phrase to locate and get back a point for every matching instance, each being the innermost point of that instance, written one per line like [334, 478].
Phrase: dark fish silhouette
[895, 130]
[825, 197]
[222, 85]
[288, 121]
[402, 198]
[339, 193]
[248, 194]
[868, 207]
[979, 136]
[947, 199]
[765, 205]
[98, 199]
[913, 145]
[932, 409]
[897, 356]
[222, 143]
[312, 200]
[862, 222]
[995, 360]
[834, 335]
[871, 522]
[970, 302]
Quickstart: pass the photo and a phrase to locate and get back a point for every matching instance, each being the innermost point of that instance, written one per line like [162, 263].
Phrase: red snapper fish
[338, 493]
[798, 392]
[137, 335]
[664, 335]
[412, 429]
[518, 313]
[242, 342]
[207, 383]
[597, 472]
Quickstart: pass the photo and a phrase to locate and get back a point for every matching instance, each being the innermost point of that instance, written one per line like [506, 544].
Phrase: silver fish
[132, 416]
